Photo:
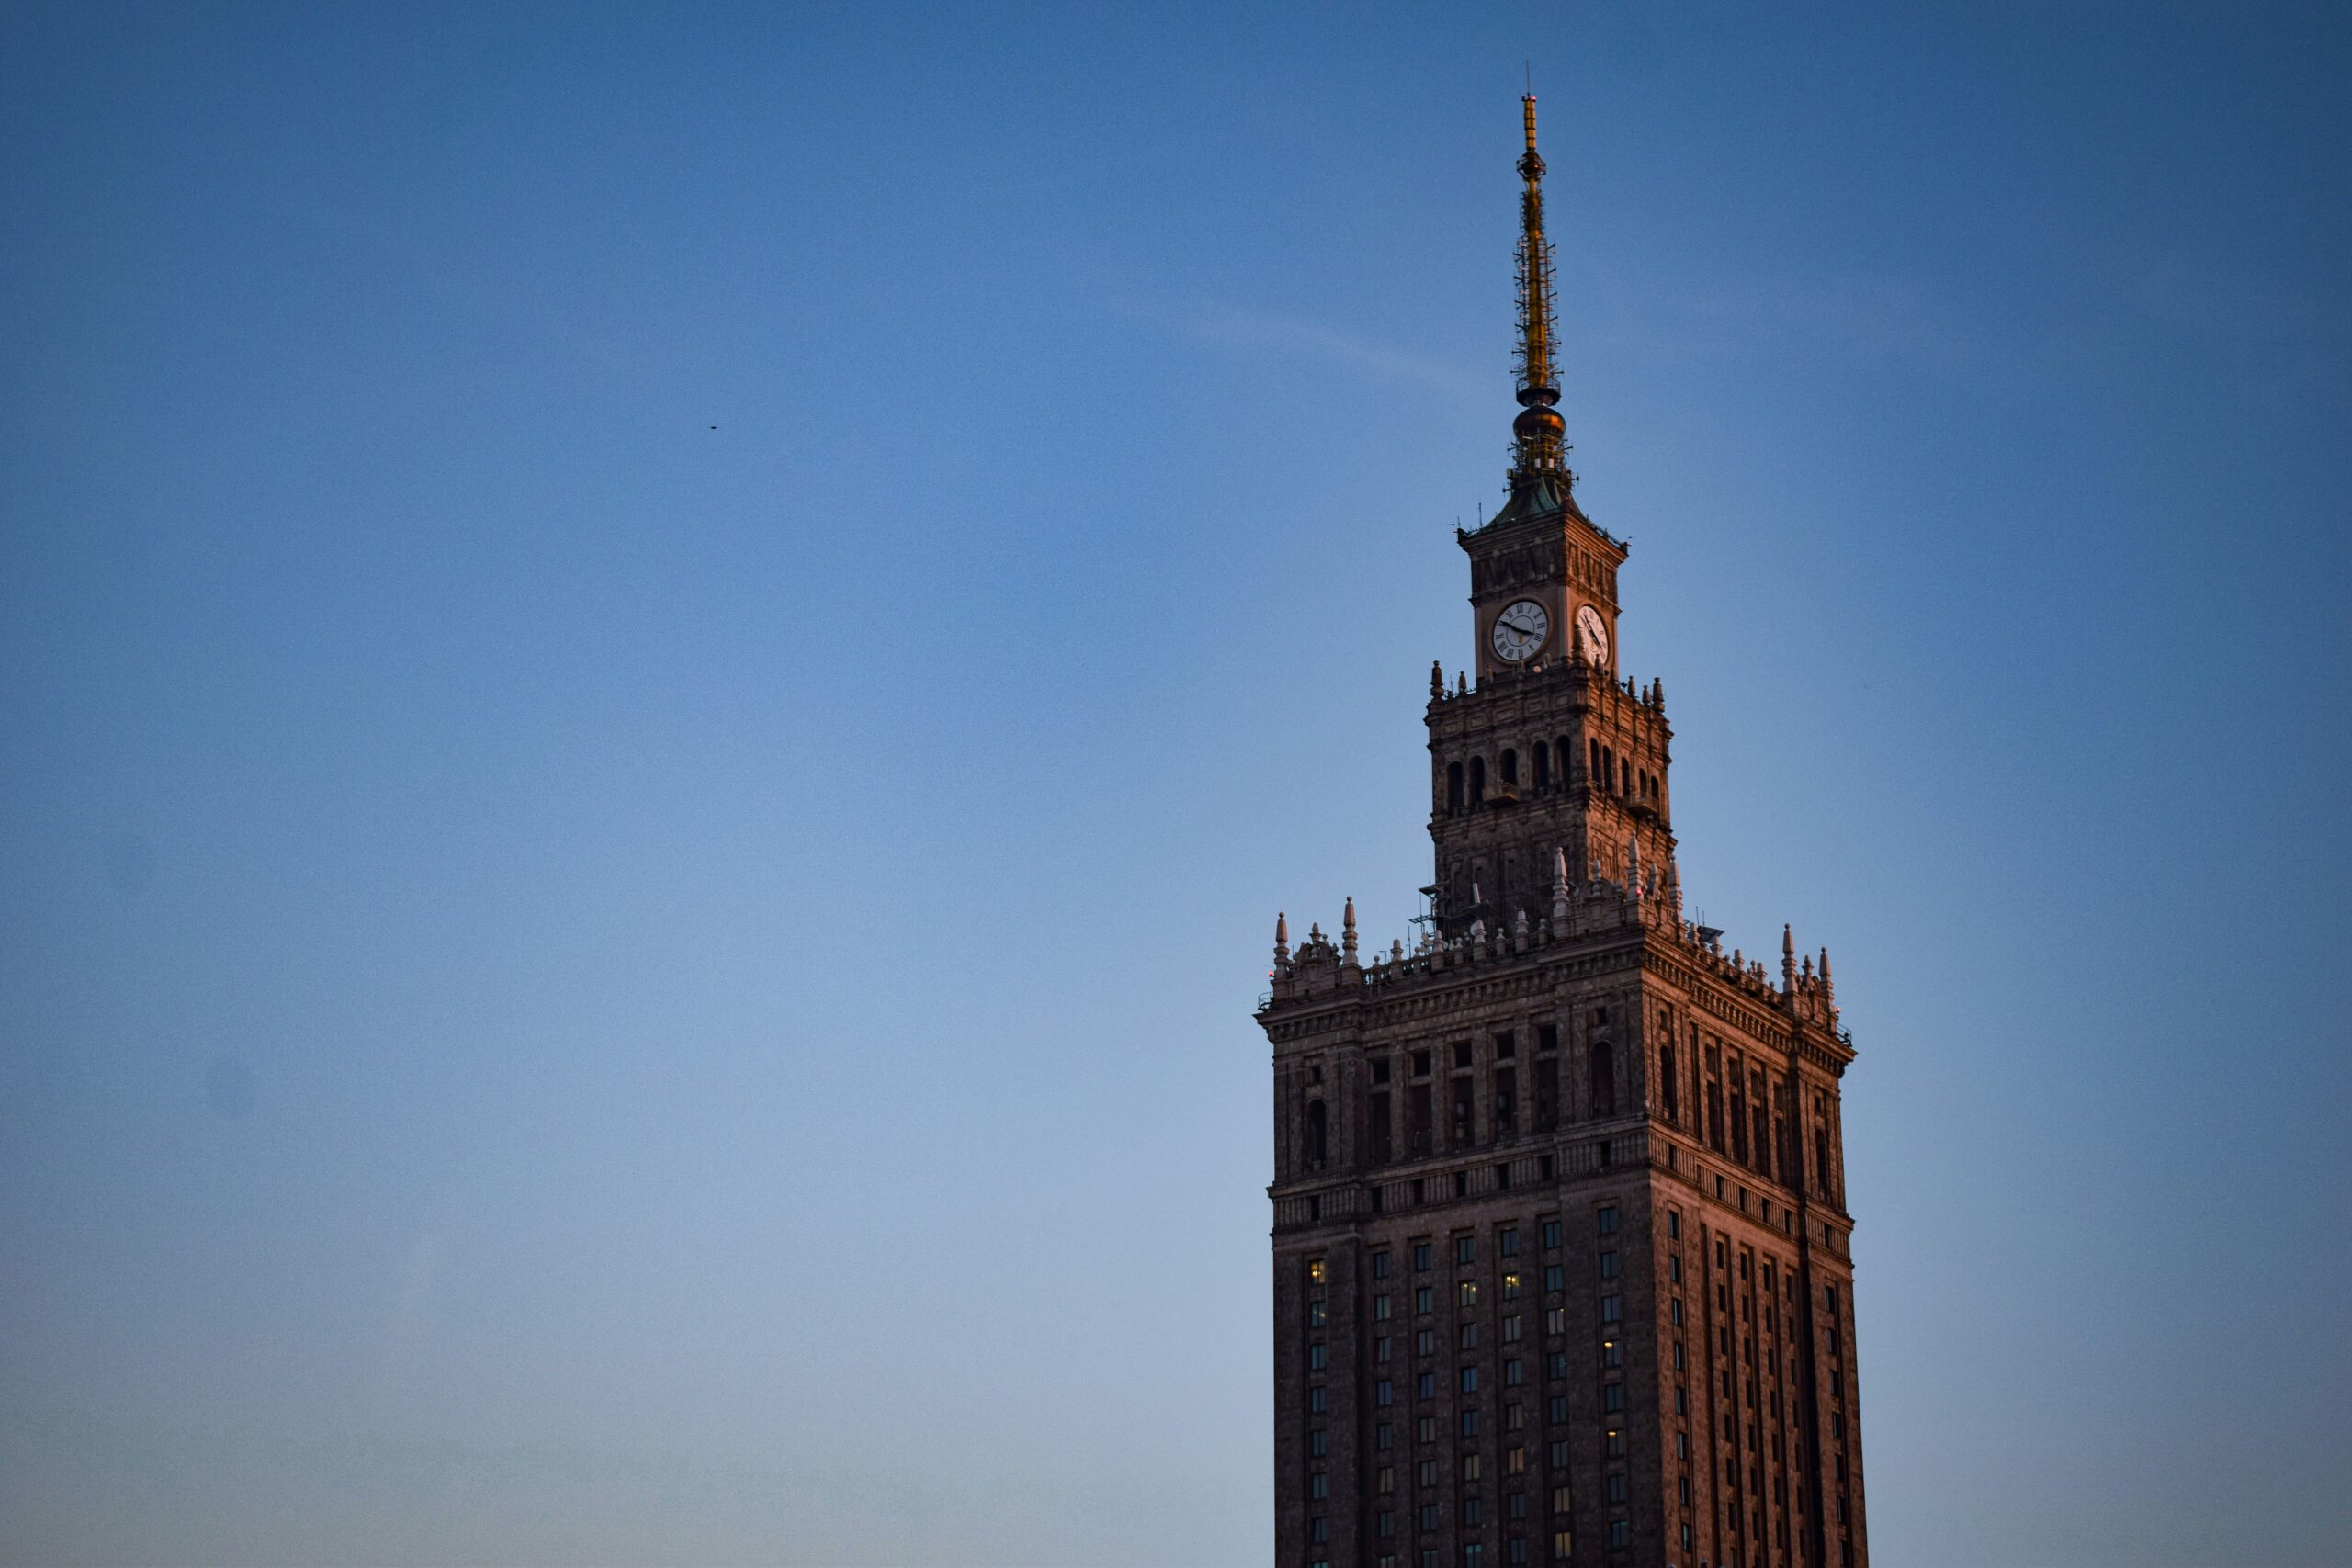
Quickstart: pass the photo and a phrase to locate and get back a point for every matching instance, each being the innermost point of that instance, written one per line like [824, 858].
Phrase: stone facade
[1562, 1270]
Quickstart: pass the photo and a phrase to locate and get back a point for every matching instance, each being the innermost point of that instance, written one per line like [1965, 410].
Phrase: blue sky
[661, 668]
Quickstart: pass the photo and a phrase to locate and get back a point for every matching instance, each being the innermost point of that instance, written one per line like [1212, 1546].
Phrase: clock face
[1519, 630]
[1592, 635]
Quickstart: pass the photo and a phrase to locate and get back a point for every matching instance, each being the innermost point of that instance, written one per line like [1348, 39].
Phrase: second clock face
[1593, 635]
[1519, 630]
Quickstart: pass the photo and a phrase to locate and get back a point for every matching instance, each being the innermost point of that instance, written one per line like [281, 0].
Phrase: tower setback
[1562, 1272]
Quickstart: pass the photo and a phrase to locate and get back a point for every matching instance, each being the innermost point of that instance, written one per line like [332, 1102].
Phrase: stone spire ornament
[1348, 932]
[1282, 941]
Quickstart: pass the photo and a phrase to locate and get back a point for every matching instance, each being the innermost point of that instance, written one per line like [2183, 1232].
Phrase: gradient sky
[660, 667]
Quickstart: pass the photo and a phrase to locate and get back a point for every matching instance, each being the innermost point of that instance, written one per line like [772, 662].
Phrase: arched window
[1542, 755]
[1609, 770]
[1665, 1082]
[1603, 1071]
[1511, 766]
[1453, 786]
[1477, 780]
[1567, 753]
[1592, 763]
[1318, 1134]
[1821, 1160]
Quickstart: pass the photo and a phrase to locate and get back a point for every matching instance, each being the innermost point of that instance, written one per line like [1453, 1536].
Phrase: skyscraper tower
[1562, 1272]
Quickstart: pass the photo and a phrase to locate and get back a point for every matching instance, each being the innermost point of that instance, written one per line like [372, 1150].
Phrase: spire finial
[1347, 931]
[1538, 446]
[1281, 938]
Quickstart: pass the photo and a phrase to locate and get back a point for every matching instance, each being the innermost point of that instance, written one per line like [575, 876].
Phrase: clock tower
[1563, 1269]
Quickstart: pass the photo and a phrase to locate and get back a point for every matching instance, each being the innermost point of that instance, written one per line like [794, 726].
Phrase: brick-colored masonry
[1560, 1240]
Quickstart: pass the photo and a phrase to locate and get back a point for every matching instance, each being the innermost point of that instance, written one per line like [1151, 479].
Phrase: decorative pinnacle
[1539, 445]
[1347, 931]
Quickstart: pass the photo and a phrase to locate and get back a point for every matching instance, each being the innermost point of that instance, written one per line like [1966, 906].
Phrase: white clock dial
[1592, 635]
[1519, 630]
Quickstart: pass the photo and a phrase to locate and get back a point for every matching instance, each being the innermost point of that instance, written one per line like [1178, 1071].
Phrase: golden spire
[1538, 448]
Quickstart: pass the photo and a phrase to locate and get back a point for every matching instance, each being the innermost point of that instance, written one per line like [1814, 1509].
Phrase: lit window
[1314, 1310]
[1514, 1460]
[1562, 1543]
[1510, 1285]
[1613, 1443]
[1561, 1501]
[1315, 1271]
[1468, 1291]
[1611, 1354]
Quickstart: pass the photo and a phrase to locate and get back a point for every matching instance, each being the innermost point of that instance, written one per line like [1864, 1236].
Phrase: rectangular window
[1316, 1272]
[1510, 1329]
[1512, 1373]
[1469, 1336]
[1319, 1530]
[1674, 1311]
[1514, 1460]
[1466, 1249]
[1424, 1342]
[1556, 1320]
[1380, 1307]
[1425, 1429]
[1514, 1417]
[1510, 1286]
[1555, 1364]
[1380, 1349]
[1561, 1501]
[1468, 1293]
[1617, 1488]
[1473, 1511]
[1384, 1392]
[1673, 1225]
[1515, 1549]
[1314, 1399]
[1469, 1467]
[1315, 1443]
[1426, 1472]
[1422, 1258]
[1469, 1423]
[1558, 1454]
[1424, 1299]
[1606, 1219]
[1383, 1436]
[1469, 1380]
[1428, 1521]
[1314, 1314]
[1506, 1241]
[1618, 1532]
[1554, 1276]
[1612, 1396]
[1555, 1409]
[1561, 1543]
[1380, 1265]
[1318, 1484]
[1612, 1310]
[1315, 1357]
[1612, 1443]
[1428, 1386]
[1551, 1234]
[1608, 1265]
